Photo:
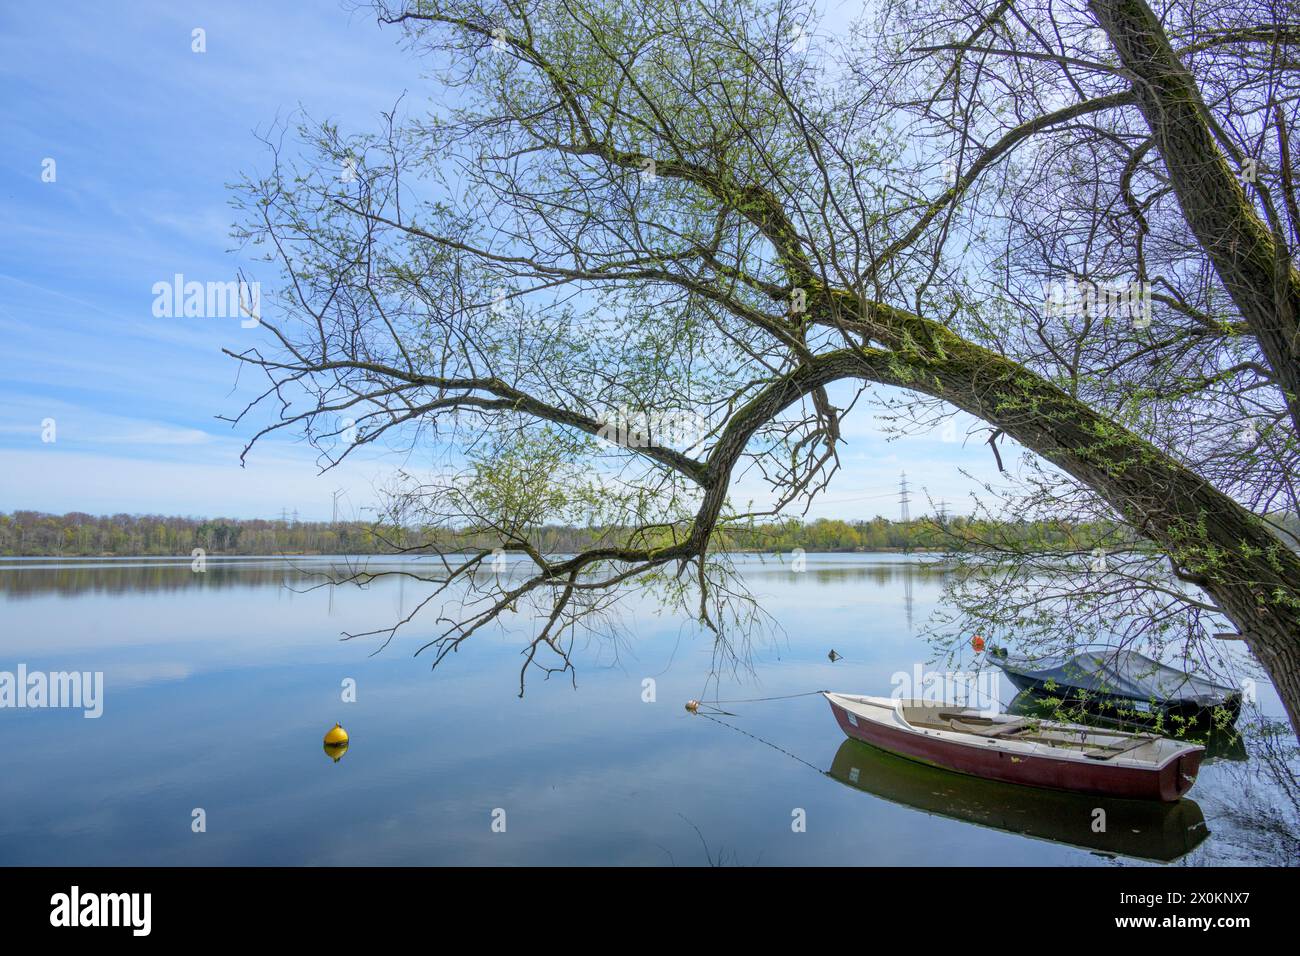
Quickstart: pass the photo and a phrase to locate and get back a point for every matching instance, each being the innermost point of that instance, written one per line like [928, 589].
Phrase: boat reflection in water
[1225, 743]
[1141, 829]
[336, 751]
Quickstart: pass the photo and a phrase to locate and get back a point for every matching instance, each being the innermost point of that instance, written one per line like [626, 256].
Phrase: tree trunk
[1214, 542]
[1252, 262]
[1251, 574]
[1260, 589]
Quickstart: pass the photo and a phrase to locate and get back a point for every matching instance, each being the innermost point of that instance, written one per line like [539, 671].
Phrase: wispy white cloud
[141, 195]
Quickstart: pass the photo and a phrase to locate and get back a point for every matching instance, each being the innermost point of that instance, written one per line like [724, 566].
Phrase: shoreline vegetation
[38, 534]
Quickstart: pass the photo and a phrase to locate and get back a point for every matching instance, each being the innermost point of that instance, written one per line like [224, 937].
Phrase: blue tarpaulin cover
[1120, 673]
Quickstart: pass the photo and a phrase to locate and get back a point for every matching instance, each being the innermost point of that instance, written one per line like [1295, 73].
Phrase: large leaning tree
[618, 218]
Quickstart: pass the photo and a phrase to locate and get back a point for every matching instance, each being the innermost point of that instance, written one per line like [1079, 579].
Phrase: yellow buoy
[336, 735]
[693, 706]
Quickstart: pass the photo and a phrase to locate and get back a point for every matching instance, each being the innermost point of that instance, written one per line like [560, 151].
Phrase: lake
[219, 686]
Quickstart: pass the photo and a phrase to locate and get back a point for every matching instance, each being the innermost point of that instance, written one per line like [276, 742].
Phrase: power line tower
[942, 510]
[904, 498]
[335, 517]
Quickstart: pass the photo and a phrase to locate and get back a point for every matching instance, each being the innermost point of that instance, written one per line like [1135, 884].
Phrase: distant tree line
[75, 534]
[79, 534]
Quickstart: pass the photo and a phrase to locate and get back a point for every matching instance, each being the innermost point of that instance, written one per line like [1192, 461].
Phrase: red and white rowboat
[1040, 753]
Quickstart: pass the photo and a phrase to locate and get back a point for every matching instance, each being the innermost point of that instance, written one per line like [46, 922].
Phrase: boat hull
[1169, 782]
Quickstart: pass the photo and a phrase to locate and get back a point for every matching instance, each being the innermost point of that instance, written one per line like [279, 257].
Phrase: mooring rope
[756, 700]
[761, 740]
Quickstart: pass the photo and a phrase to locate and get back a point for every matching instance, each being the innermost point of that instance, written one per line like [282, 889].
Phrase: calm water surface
[219, 687]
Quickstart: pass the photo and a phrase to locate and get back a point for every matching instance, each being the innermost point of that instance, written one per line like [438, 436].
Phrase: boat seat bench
[994, 730]
[979, 726]
[1106, 753]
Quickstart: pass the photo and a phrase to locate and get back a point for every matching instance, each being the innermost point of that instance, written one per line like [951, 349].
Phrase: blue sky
[145, 135]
